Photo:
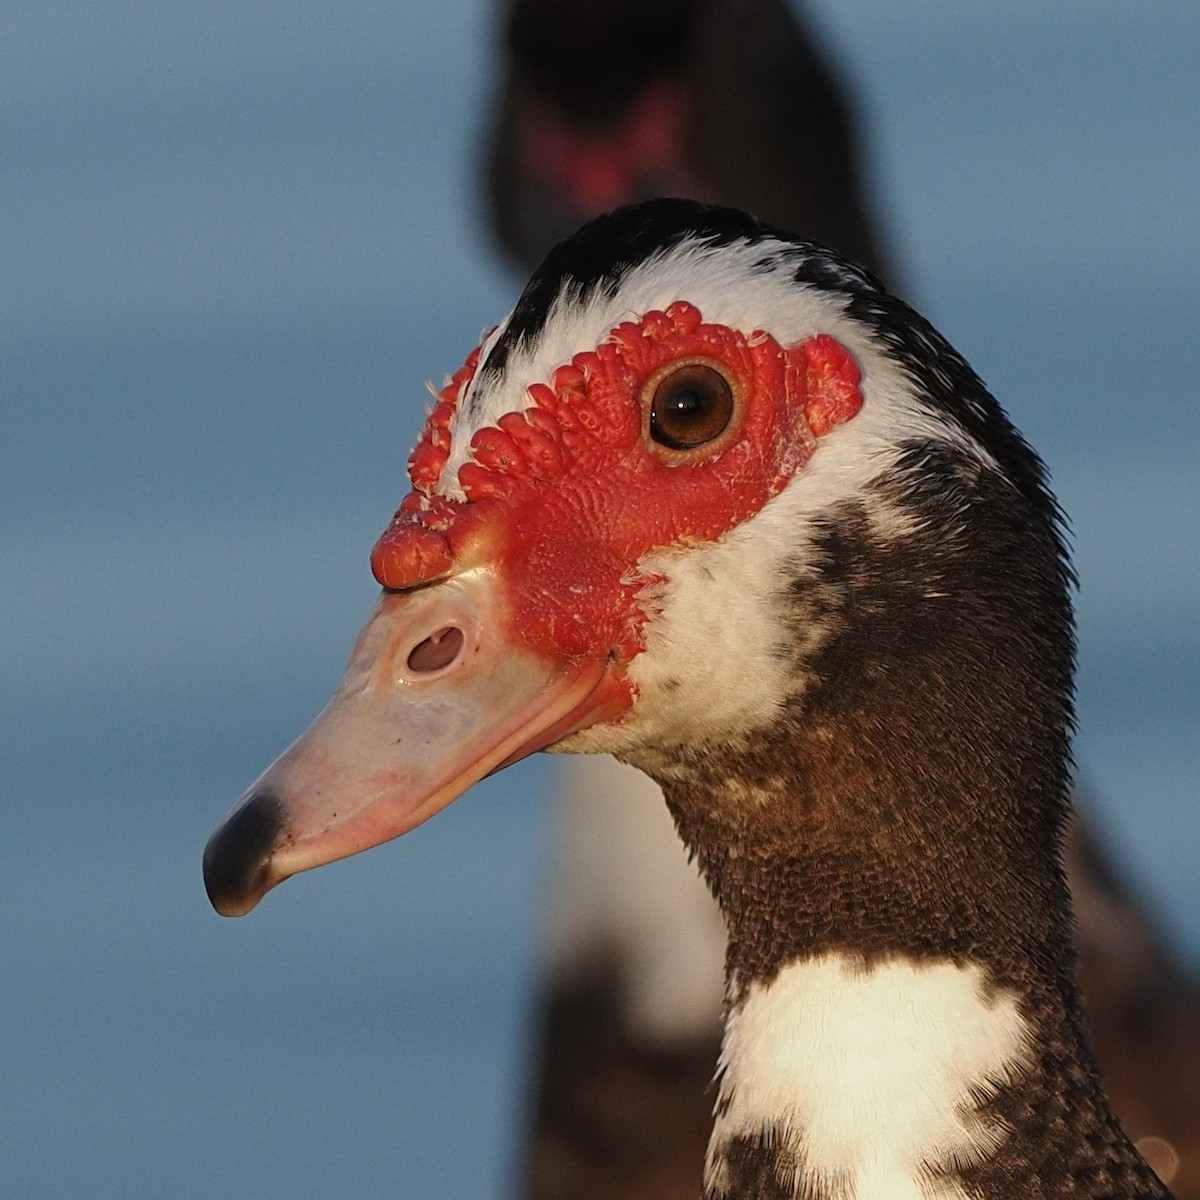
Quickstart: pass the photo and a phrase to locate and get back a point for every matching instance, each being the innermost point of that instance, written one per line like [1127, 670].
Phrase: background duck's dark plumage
[752, 79]
[770, 129]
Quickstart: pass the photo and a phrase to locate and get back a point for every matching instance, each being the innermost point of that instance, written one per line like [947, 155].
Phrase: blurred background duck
[733, 102]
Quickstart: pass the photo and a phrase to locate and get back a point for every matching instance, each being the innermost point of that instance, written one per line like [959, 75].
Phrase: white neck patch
[875, 1076]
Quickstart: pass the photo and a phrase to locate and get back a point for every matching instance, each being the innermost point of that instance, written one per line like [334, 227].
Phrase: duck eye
[691, 405]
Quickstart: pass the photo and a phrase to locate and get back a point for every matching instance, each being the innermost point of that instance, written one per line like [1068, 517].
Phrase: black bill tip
[238, 853]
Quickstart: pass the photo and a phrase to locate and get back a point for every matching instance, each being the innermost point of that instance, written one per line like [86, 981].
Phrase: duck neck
[902, 1019]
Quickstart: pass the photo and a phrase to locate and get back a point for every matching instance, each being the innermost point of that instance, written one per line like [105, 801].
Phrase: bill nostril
[438, 650]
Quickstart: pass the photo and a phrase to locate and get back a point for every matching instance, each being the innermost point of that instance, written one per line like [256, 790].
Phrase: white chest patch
[874, 1076]
[624, 886]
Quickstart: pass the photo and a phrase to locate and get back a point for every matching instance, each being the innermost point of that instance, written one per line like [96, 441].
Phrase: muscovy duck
[713, 501]
[734, 102]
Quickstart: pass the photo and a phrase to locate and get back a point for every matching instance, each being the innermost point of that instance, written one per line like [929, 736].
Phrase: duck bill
[439, 692]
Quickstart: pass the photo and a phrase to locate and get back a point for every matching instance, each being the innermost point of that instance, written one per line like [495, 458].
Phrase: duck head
[609, 504]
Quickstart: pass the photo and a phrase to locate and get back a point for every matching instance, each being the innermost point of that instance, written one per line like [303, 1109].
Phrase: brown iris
[691, 405]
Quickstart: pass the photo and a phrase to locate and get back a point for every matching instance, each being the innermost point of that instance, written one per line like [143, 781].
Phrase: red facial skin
[565, 498]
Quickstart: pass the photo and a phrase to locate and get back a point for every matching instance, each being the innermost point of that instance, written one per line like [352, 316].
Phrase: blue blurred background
[235, 239]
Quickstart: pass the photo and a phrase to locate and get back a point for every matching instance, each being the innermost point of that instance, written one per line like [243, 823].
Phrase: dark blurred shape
[615, 1119]
[1144, 1011]
[604, 102]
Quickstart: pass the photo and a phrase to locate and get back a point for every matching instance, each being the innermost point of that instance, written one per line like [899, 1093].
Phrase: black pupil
[691, 406]
[686, 404]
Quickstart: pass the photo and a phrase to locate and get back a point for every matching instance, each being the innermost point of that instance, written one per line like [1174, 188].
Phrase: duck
[698, 99]
[710, 499]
